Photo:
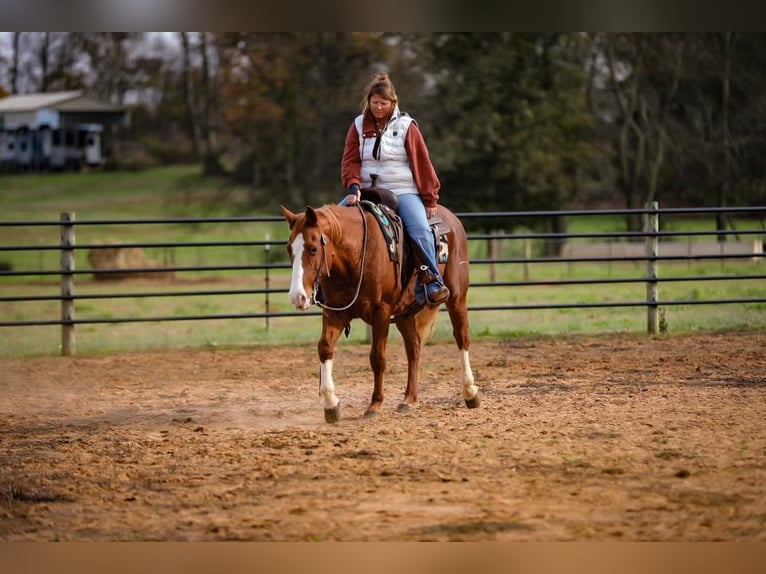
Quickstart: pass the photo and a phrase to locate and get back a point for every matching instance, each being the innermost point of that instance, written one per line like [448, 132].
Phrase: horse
[340, 256]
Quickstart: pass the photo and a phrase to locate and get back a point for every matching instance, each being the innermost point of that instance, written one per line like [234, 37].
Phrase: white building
[56, 130]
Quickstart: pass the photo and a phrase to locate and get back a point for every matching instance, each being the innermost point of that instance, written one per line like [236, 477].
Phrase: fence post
[267, 258]
[652, 228]
[527, 257]
[495, 251]
[68, 346]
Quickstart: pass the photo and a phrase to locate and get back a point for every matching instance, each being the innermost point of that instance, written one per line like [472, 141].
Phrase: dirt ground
[577, 438]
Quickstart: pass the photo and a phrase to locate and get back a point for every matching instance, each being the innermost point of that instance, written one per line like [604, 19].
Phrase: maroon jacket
[423, 171]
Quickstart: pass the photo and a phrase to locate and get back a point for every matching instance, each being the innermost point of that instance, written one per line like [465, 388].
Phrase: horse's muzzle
[300, 301]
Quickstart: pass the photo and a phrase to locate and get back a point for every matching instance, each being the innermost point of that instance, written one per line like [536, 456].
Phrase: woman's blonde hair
[382, 86]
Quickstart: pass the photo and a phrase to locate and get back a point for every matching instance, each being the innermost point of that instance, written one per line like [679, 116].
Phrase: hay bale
[124, 258]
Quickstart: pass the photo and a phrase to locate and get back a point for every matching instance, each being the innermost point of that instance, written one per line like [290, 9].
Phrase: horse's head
[306, 250]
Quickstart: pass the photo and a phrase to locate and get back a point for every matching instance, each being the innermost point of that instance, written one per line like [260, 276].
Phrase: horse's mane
[329, 213]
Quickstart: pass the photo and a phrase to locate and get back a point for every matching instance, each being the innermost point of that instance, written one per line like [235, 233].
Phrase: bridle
[323, 241]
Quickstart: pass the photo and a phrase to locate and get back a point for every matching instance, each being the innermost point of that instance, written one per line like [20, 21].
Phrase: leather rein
[324, 263]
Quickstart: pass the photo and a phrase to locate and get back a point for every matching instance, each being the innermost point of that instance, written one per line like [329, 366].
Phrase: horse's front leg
[380, 325]
[331, 329]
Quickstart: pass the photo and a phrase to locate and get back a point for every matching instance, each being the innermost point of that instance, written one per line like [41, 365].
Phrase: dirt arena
[578, 438]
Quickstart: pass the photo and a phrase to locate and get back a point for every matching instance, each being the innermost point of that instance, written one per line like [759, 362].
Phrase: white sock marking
[327, 385]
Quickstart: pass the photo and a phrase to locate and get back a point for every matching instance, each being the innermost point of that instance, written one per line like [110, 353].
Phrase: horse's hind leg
[412, 346]
[458, 314]
[380, 328]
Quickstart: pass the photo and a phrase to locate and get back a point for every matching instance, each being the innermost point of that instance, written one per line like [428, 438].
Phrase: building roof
[72, 101]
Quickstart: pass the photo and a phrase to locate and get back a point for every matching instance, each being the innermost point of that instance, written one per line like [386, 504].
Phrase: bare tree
[188, 91]
[44, 56]
[211, 160]
[724, 189]
[15, 62]
[644, 71]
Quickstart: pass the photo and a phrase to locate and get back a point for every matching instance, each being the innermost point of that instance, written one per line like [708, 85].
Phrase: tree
[643, 73]
[15, 63]
[211, 164]
[513, 121]
[187, 89]
[287, 101]
[510, 129]
[722, 106]
[112, 58]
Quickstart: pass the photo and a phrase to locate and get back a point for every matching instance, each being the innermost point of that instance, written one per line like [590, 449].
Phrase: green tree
[287, 100]
[510, 126]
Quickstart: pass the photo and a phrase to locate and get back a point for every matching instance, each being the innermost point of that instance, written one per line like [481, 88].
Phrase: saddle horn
[377, 194]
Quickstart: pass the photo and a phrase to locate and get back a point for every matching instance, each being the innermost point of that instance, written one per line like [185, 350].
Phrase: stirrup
[438, 295]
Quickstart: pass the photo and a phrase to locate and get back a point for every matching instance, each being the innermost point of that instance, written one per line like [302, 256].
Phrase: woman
[387, 142]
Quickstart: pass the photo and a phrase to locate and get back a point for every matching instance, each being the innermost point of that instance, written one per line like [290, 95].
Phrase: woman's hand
[354, 194]
[430, 212]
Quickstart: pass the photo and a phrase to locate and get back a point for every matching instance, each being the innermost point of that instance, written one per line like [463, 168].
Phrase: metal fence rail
[649, 238]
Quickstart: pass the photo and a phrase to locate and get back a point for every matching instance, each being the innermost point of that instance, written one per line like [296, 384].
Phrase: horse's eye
[313, 250]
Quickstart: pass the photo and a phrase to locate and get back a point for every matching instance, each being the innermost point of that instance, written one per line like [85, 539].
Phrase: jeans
[413, 215]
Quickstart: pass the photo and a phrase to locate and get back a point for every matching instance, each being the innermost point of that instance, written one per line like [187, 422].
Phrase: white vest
[393, 164]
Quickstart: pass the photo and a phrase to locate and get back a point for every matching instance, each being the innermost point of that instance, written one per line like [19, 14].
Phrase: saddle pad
[389, 225]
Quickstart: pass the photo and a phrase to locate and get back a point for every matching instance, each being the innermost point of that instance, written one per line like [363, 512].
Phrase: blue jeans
[413, 214]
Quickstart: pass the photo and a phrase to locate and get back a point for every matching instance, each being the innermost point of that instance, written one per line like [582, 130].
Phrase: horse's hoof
[404, 408]
[332, 415]
[371, 415]
[474, 402]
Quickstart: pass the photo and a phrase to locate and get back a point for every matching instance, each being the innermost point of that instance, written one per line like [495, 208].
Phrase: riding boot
[436, 291]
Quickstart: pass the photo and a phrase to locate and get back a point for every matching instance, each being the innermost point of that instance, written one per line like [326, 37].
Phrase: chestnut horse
[341, 253]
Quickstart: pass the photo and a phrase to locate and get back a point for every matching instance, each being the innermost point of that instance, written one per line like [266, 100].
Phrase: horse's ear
[311, 216]
[289, 216]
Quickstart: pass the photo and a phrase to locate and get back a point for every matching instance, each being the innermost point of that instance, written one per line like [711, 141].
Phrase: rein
[315, 289]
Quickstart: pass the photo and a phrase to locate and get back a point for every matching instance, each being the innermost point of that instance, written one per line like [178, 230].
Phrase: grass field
[179, 192]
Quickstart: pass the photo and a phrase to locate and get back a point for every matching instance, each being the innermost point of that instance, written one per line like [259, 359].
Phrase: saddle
[382, 203]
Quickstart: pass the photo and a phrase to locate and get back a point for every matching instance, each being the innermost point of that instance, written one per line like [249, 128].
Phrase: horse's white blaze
[297, 293]
[327, 385]
[469, 387]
